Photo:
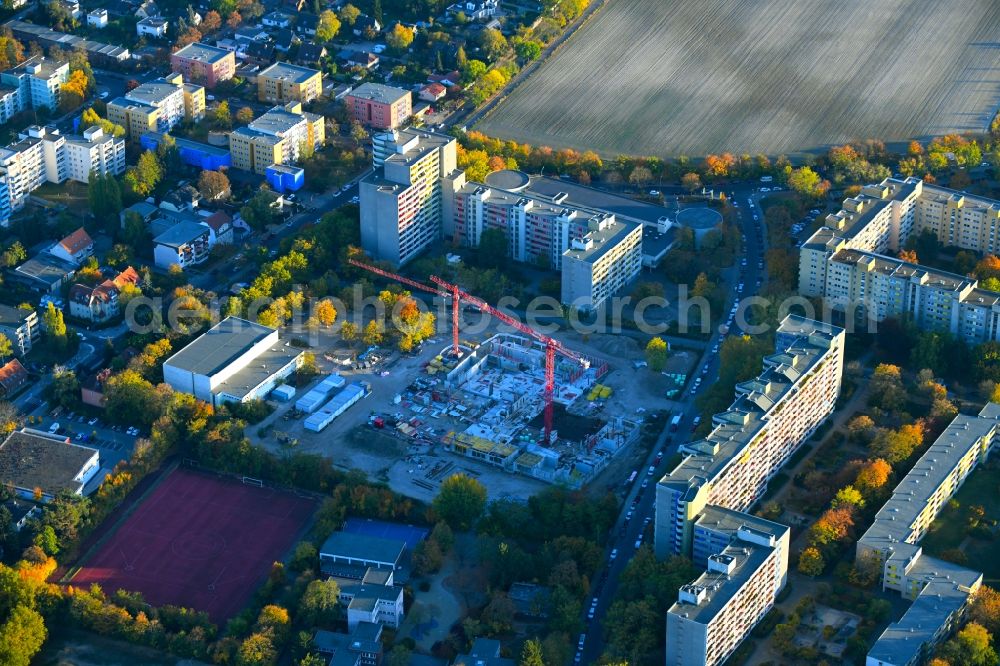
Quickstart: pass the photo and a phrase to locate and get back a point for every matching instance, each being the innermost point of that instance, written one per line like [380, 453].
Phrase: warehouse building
[234, 361]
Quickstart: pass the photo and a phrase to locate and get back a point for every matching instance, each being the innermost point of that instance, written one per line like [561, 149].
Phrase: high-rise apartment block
[285, 82]
[379, 106]
[409, 199]
[844, 261]
[277, 137]
[42, 154]
[700, 504]
[746, 562]
[202, 63]
[940, 590]
[771, 417]
[33, 84]
[157, 106]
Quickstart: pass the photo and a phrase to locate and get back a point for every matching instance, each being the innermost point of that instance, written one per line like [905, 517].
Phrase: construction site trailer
[339, 404]
[319, 393]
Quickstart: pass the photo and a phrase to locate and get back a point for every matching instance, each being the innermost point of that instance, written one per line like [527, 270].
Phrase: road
[635, 522]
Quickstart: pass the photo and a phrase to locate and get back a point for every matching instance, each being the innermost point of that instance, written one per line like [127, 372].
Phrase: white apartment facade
[37, 81]
[94, 152]
[844, 262]
[407, 202]
[606, 259]
[771, 417]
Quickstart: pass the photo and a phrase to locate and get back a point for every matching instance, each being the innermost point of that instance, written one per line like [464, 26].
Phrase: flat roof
[277, 121]
[154, 92]
[219, 346]
[203, 52]
[45, 268]
[286, 70]
[603, 239]
[378, 92]
[587, 197]
[363, 547]
[892, 267]
[32, 459]
[802, 344]
[264, 366]
[181, 234]
[893, 523]
[189, 144]
[720, 588]
[14, 317]
[47, 67]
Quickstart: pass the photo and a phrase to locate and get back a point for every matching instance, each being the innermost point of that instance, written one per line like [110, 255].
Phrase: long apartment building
[700, 504]
[276, 137]
[940, 590]
[33, 84]
[285, 82]
[42, 155]
[746, 566]
[407, 202]
[596, 252]
[844, 261]
[770, 418]
[158, 106]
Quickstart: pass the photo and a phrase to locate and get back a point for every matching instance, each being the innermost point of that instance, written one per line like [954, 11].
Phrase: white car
[765, 189]
[654, 193]
[614, 554]
[54, 427]
[755, 218]
[92, 421]
[715, 348]
[638, 543]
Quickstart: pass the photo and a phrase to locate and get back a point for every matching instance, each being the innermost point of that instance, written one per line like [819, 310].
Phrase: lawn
[648, 77]
[949, 530]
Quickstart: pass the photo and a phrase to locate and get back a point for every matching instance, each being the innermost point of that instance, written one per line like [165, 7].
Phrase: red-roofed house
[100, 303]
[222, 228]
[12, 377]
[74, 248]
[432, 92]
[447, 80]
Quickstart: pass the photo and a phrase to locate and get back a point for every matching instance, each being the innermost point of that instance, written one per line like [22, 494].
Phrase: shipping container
[337, 406]
[319, 393]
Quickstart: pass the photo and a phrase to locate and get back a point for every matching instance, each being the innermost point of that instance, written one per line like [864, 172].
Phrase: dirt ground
[416, 468]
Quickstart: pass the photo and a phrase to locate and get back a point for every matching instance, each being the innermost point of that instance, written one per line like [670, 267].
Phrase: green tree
[55, 326]
[372, 334]
[460, 501]
[21, 636]
[222, 117]
[142, 179]
[105, 198]
[258, 212]
[531, 654]
[807, 182]
[656, 354]
[6, 348]
[493, 43]
[257, 649]
[130, 398]
[970, 647]
[848, 496]
[528, 49]
[318, 605]
[46, 540]
[64, 389]
[329, 25]
[349, 14]
[493, 248]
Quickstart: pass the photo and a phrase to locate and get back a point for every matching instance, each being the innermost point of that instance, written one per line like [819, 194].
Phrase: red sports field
[200, 542]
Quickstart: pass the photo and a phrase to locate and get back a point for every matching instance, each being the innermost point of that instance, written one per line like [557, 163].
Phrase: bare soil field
[651, 77]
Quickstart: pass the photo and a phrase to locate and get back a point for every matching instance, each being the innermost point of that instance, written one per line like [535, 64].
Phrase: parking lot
[114, 442]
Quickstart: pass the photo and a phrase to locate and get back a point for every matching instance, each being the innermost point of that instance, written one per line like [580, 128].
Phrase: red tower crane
[552, 346]
[389, 275]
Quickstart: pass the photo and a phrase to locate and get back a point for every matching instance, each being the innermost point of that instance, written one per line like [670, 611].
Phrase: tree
[234, 19]
[887, 387]
[460, 501]
[105, 198]
[6, 348]
[222, 117]
[64, 389]
[257, 649]
[349, 14]
[211, 22]
[861, 427]
[244, 116]
[399, 38]
[21, 636]
[811, 562]
[848, 496]
[258, 212]
[528, 49]
[328, 26]
[325, 312]
[986, 609]
[141, 179]
[319, 602]
[493, 43]
[213, 184]
[493, 248]
[807, 182]
[531, 654]
[691, 182]
[897, 445]
[970, 647]
[130, 398]
[873, 475]
[656, 354]
[349, 331]
[372, 334]
[55, 326]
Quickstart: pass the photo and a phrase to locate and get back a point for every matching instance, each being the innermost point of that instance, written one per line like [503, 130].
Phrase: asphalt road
[636, 520]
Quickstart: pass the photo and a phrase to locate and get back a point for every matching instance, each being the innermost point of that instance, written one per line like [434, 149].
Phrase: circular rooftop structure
[508, 179]
[699, 218]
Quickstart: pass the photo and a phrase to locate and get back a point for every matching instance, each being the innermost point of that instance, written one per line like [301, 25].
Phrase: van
[766, 179]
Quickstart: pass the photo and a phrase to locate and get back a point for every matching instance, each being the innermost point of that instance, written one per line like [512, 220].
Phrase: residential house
[283, 40]
[154, 26]
[180, 199]
[21, 326]
[484, 652]
[21, 511]
[260, 53]
[306, 24]
[368, 61]
[251, 33]
[277, 137]
[285, 82]
[147, 9]
[476, 10]
[184, 244]
[38, 81]
[75, 248]
[432, 92]
[98, 18]
[100, 303]
[366, 25]
[145, 210]
[12, 377]
[158, 105]
[276, 19]
[448, 80]
[221, 228]
[310, 54]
